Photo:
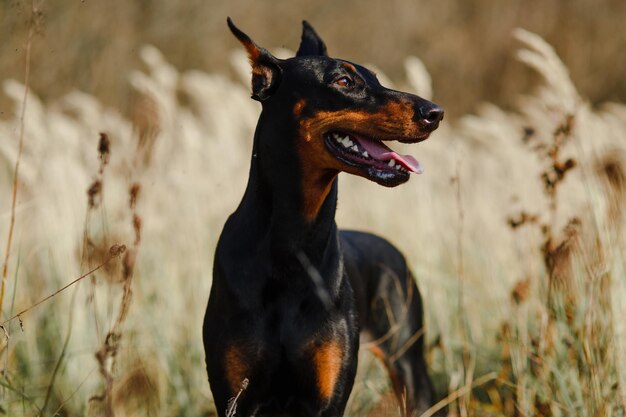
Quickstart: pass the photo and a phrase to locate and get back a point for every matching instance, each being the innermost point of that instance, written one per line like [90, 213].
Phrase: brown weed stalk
[107, 354]
[35, 23]
[556, 252]
[94, 199]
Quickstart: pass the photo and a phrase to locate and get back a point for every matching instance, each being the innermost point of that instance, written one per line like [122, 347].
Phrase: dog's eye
[344, 82]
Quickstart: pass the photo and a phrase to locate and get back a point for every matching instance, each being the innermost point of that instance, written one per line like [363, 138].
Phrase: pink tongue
[380, 151]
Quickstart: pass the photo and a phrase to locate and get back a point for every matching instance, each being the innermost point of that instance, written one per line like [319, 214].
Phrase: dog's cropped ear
[311, 43]
[266, 71]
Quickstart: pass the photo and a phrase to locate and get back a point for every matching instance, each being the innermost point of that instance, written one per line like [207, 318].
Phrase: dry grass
[532, 328]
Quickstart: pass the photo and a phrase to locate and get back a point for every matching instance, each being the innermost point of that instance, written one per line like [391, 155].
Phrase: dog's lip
[373, 152]
[416, 139]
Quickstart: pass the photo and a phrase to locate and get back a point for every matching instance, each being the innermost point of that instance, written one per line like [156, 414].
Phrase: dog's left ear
[266, 71]
[311, 43]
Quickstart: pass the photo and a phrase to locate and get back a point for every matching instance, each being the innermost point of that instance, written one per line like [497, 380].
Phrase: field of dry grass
[515, 233]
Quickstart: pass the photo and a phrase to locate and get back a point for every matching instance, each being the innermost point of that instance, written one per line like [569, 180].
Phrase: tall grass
[519, 254]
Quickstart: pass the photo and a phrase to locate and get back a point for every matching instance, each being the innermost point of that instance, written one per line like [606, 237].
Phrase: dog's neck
[274, 205]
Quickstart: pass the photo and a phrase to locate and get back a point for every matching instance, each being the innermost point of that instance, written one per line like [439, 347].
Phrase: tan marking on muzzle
[319, 167]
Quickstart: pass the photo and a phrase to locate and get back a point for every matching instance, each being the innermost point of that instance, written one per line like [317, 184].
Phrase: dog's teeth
[355, 148]
[392, 162]
[365, 154]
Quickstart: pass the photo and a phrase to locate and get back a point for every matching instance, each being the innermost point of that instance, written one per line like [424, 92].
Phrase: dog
[291, 294]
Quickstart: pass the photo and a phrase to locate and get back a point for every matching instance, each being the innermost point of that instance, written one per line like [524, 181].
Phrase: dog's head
[343, 116]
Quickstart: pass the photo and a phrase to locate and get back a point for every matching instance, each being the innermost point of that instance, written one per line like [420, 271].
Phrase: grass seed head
[104, 148]
[94, 194]
[134, 195]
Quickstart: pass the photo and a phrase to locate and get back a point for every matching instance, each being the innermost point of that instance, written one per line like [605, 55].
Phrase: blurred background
[466, 45]
[137, 131]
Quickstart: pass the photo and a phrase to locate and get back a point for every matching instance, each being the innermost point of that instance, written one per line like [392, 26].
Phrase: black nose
[430, 115]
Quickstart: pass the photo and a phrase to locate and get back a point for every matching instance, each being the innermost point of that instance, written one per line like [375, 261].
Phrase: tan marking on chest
[237, 367]
[315, 189]
[327, 360]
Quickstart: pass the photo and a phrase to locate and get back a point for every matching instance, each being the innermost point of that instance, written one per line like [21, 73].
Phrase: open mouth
[380, 162]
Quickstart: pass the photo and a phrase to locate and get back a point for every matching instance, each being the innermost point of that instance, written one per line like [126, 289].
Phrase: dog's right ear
[311, 43]
[266, 71]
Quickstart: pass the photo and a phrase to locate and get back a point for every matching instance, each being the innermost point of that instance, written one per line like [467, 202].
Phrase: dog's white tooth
[345, 142]
[355, 148]
[392, 162]
[365, 154]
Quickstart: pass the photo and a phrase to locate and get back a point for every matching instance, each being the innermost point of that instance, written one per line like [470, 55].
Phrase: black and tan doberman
[291, 294]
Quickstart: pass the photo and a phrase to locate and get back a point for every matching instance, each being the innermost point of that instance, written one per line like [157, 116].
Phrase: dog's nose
[432, 114]
[428, 116]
